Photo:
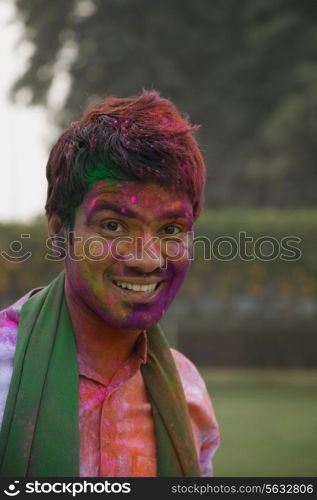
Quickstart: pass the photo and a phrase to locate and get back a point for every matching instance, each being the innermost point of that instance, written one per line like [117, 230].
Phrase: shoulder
[192, 382]
[201, 411]
[9, 324]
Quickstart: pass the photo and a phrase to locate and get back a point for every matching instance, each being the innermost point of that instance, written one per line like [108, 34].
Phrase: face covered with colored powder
[131, 250]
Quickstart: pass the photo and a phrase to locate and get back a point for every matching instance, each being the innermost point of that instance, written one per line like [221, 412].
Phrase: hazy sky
[23, 131]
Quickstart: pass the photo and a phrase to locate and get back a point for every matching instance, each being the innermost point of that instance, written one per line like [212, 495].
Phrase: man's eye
[171, 229]
[112, 226]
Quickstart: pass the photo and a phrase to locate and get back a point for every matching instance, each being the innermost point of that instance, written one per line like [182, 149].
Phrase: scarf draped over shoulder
[40, 430]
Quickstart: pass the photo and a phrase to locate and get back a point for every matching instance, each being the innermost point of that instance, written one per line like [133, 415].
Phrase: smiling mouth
[132, 287]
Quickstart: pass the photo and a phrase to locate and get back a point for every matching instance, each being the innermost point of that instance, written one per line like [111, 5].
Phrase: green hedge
[250, 312]
[256, 277]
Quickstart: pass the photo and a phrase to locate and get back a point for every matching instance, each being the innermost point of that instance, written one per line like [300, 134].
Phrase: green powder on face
[90, 176]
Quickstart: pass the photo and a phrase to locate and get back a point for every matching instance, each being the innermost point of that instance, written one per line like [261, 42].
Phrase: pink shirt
[117, 437]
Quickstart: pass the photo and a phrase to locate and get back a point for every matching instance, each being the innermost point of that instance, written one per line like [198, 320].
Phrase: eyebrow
[180, 214]
[127, 212]
[107, 205]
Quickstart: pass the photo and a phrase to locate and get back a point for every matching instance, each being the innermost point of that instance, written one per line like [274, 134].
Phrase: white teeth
[137, 288]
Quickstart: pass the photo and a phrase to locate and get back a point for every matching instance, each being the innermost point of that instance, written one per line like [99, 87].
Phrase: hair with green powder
[142, 138]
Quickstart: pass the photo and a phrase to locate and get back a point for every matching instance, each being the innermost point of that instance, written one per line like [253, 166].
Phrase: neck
[101, 347]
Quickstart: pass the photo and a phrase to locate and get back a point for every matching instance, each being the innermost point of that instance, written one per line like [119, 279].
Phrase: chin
[141, 318]
[133, 321]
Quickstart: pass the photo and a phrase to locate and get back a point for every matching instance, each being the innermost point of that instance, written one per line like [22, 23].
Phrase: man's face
[131, 251]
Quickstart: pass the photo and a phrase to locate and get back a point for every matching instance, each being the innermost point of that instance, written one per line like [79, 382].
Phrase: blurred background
[246, 70]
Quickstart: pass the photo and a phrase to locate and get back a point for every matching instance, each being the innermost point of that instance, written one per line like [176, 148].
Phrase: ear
[55, 225]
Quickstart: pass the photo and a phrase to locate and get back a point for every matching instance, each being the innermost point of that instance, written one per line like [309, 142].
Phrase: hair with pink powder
[142, 138]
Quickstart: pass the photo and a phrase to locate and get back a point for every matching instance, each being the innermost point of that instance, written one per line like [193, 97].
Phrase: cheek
[177, 269]
[85, 271]
[177, 253]
[86, 280]
[89, 260]
[91, 249]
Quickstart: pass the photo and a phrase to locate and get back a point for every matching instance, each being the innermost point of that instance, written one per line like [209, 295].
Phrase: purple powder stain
[100, 395]
[133, 199]
[122, 210]
[107, 422]
[92, 204]
[111, 463]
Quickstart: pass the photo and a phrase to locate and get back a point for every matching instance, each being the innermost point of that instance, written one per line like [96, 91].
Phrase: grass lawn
[268, 422]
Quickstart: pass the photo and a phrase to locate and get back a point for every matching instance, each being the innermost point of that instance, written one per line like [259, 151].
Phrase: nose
[145, 254]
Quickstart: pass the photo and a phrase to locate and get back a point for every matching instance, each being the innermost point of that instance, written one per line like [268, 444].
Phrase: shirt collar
[141, 347]
[137, 357]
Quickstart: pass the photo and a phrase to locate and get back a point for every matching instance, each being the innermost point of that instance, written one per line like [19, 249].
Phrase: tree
[230, 64]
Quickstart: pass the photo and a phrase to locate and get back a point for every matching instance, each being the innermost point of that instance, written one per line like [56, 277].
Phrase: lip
[139, 297]
[137, 281]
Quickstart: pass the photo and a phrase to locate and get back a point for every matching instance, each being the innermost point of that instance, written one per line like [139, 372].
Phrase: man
[95, 390]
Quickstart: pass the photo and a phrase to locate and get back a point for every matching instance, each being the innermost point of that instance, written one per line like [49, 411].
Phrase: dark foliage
[246, 70]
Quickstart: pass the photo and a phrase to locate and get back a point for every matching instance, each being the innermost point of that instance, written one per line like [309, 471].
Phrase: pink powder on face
[133, 199]
[110, 300]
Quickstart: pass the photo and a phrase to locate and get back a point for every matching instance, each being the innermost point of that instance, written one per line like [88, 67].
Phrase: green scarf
[40, 431]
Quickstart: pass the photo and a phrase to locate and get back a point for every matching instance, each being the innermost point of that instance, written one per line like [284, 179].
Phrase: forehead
[141, 198]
